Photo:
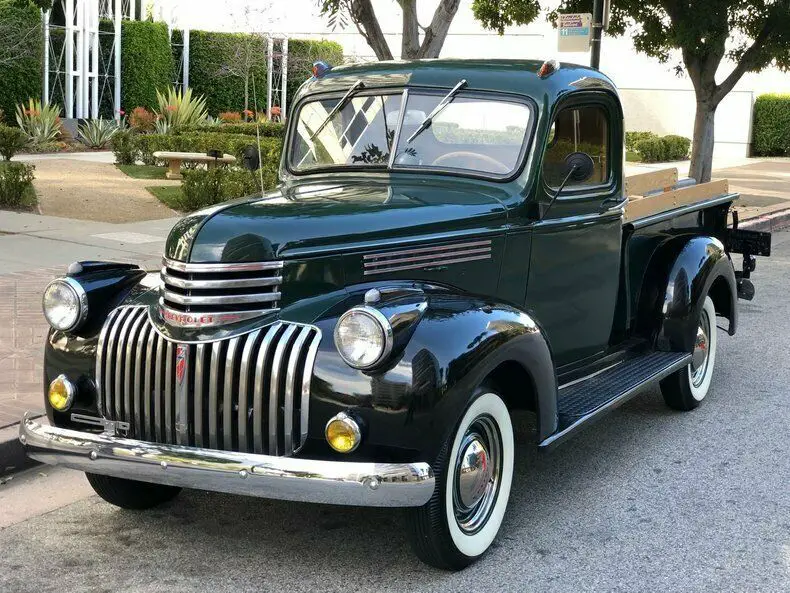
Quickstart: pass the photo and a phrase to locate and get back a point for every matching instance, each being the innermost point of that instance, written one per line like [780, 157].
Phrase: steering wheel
[461, 158]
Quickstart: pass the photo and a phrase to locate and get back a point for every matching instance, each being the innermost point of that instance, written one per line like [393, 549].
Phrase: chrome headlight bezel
[80, 300]
[386, 333]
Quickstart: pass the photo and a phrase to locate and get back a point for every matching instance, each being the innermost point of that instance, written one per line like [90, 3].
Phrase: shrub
[180, 108]
[16, 185]
[230, 117]
[40, 122]
[21, 76]
[204, 141]
[124, 147]
[771, 125]
[204, 187]
[652, 150]
[267, 129]
[148, 63]
[633, 138]
[302, 53]
[676, 148]
[141, 120]
[12, 140]
[97, 133]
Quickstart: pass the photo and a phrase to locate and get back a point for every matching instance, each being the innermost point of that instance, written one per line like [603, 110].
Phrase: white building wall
[654, 97]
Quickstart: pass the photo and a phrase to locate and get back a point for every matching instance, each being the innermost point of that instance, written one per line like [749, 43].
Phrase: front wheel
[685, 389]
[474, 471]
[131, 494]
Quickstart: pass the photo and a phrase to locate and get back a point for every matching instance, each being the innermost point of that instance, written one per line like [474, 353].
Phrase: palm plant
[97, 133]
[180, 108]
[40, 122]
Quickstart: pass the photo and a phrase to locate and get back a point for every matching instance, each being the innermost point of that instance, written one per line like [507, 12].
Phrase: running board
[582, 402]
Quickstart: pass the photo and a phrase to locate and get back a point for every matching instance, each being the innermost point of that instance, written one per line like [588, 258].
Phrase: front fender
[701, 263]
[417, 398]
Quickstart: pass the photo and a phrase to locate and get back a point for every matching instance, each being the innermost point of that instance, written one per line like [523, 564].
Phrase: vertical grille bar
[158, 390]
[149, 373]
[101, 360]
[138, 375]
[112, 363]
[260, 386]
[169, 394]
[132, 364]
[274, 390]
[121, 363]
[244, 382]
[182, 396]
[307, 375]
[213, 404]
[290, 379]
[197, 405]
[227, 395]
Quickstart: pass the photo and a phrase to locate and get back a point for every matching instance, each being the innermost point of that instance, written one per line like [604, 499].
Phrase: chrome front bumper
[286, 478]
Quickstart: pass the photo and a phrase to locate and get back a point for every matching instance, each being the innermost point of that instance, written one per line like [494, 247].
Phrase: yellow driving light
[61, 393]
[342, 433]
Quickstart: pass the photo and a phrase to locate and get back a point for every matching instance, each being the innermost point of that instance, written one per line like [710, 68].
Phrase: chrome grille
[426, 257]
[223, 292]
[250, 393]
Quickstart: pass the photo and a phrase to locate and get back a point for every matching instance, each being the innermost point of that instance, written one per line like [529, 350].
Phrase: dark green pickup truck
[451, 241]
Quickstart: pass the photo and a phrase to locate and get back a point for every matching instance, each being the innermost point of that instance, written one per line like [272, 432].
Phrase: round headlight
[65, 304]
[363, 337]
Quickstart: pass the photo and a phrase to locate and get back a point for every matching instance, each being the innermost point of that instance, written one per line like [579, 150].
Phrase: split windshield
[474, 134]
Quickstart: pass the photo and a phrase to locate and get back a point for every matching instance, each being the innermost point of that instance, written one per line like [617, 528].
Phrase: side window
[578, 129]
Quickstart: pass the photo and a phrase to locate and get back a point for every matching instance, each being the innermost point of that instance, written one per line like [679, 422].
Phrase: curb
[774, 221]
[12, 453]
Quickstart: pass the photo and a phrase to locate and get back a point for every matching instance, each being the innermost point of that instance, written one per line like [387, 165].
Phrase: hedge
[147, 63]
[655, 149]
[302, 53]
[267, 129]
[771, 125]
[205, 187]
[21, 77]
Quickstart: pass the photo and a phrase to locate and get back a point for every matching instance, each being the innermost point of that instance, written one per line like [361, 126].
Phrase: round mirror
[580, 166]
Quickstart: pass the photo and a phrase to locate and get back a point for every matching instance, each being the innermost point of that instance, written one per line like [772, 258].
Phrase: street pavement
[646, 500]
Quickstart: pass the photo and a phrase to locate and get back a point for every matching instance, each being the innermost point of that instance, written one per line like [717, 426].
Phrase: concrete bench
[174, 160]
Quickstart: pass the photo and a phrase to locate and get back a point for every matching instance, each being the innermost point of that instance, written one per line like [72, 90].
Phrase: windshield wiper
[448, 98]
[357, 86]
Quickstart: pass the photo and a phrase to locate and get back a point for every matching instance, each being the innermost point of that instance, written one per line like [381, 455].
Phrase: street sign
[575, 32]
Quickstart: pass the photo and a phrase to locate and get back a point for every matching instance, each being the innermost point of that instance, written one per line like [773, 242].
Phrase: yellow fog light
[61, 393]
[342, 433]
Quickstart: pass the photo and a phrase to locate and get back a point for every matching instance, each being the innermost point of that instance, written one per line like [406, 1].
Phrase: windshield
[471, 133]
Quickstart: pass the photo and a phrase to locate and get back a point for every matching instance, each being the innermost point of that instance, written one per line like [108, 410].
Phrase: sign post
[575, 32]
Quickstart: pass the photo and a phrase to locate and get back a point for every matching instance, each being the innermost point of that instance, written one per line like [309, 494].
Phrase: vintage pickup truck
[451, 241]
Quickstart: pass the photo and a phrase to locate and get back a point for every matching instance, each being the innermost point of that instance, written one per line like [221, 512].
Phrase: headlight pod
[65, 304]
[363, 337]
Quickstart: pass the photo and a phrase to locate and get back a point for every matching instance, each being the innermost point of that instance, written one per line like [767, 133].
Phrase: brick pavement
[23, 330]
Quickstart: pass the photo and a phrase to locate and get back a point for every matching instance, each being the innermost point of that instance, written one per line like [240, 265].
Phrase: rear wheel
[685, 389]
[474, 471]
[131, 494]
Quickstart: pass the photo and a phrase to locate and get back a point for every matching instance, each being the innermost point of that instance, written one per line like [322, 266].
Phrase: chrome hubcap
[700, 355]
[477, 474]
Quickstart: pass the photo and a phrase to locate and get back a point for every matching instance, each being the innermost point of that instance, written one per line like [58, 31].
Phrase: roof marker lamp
[363, 337]
[65, 304]
[320, 69]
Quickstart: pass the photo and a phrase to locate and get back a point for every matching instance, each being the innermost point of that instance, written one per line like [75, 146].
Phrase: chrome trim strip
[220, 284]
[394, 148]
[670, 214]
[231, 299]
[429, 258]
[232, 267]
[260, 369]
[227, 394]
[286, 478]
[274, 390]
[309, 365]
[213, 404]
[178, 318]
[426, 265]
[169, 393]
[434, 249]
[290, 379]
[244, 383]
[197, 395]
[100, 391]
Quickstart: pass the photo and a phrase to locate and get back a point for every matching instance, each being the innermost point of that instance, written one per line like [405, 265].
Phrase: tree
[751, 34]
[361, 13]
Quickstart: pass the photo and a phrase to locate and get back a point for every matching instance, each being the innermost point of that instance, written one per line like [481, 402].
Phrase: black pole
[597, 31]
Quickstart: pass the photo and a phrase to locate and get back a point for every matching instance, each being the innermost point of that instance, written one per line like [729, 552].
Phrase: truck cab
[450, 241]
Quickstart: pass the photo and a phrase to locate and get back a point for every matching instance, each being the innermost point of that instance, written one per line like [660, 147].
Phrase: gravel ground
[646, 500]
[95, 191]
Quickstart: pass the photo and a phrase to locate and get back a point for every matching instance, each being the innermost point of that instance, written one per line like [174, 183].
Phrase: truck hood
[322, 217]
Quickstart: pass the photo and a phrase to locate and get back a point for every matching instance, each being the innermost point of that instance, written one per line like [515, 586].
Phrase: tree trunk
[364, 18]
[410, 45]
[436, 32]
[246, 95]
[702, 143]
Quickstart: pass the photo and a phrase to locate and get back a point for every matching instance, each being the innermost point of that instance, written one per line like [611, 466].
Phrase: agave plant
[162, 126]
[40, 122]
[96, 133]
[180, 108]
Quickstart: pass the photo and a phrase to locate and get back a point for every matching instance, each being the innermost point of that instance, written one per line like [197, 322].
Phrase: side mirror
[579, 167]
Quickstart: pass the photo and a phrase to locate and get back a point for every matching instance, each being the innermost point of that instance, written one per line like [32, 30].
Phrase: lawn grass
[169, 195]
[632, 157]
[143, 171]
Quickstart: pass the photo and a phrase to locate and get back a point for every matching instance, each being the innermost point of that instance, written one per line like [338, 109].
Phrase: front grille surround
[203, 294]
[248, 393]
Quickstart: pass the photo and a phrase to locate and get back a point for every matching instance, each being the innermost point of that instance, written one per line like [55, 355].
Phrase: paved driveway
[647, 500]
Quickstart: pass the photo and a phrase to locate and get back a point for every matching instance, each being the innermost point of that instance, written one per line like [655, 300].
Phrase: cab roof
[511, 76]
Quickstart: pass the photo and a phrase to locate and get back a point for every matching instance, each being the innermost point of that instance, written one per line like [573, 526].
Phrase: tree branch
[411, 33]
[749, 60]
[364, 18]
[436, 32]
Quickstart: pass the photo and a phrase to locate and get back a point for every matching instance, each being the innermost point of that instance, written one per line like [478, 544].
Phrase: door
[575, 260]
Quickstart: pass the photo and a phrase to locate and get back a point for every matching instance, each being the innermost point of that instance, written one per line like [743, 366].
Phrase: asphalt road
[647, 500]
